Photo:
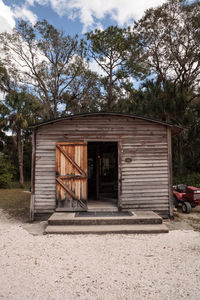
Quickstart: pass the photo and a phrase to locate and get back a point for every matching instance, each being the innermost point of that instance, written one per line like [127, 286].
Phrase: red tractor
[186, 196]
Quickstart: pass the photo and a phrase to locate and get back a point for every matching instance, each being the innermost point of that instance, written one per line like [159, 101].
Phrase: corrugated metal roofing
[176, 128]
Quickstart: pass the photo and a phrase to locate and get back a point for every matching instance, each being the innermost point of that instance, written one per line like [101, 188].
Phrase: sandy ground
[164, 266]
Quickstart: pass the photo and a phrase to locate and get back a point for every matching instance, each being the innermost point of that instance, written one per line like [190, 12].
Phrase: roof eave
[175, 128]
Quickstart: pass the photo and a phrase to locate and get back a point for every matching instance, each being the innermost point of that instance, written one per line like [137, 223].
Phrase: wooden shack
[108, 157]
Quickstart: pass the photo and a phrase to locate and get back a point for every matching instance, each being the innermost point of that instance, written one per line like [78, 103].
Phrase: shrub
[192, 179]
[5, 173]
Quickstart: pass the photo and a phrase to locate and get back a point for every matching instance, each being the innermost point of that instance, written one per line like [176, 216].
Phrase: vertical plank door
[71, 176]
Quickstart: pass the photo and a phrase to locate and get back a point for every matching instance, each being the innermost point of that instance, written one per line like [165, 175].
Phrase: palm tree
[20, 110]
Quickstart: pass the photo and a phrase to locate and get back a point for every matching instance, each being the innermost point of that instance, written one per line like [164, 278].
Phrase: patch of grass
[16, 202]
[16, 185]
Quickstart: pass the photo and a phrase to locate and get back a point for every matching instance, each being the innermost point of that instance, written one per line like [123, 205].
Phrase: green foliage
[170, 37]
[192, 179]
[165, 43]
[51, 61]
[84, 95]
[9, 151]
[4, 79]
[21, 110]
[27, 158]
[18, 111]
[16, 185]
[5, 173]
[115, 52]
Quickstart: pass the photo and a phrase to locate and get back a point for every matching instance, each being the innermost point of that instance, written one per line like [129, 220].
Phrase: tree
[5, 84]
[170, 104]
[110, 49]
[85, 94]
[18, 111]
[5, 173]
[9, 151]
[192, 153]
[170, 36]
[43, 59]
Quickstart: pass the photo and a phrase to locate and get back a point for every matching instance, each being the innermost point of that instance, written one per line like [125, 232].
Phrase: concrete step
[135, 218]
[106, 229]
[90, 209]
[102, 206]
[100, 209]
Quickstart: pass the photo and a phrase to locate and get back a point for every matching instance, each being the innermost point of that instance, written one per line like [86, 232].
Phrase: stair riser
[104, 222]
[110, 232]
[96, 209]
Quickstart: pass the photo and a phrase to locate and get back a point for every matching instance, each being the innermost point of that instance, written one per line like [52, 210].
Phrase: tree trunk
[55, 108]
[110, 95]
[110, 88]
[20, 157]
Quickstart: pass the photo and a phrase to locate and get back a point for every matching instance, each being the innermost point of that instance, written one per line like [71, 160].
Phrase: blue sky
[74, 16]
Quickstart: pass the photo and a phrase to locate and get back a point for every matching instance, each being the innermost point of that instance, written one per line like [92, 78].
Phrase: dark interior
[102, 171]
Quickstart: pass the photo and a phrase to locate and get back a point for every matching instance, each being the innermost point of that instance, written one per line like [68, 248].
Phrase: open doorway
[103, 171]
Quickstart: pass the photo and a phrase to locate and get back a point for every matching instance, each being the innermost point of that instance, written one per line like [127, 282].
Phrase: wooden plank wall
[144, 179]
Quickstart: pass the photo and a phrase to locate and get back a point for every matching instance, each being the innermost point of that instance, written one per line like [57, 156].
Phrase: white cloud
[123, 12]
[32, 2]
[91, 13]
[9, 14]
[25, 14]
[96, 68]
[7, 21]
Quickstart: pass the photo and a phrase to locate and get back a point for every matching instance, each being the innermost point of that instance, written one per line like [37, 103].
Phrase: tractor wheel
[175, 200]
[186, 207]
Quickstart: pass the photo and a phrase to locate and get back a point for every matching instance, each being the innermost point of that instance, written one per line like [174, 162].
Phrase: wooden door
[71, 176]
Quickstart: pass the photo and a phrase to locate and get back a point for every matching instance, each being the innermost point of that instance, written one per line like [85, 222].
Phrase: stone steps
[137, 222]
[107, 229]
[71, 219]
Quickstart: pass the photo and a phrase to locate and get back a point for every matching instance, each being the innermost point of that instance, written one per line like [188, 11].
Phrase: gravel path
[164, 266]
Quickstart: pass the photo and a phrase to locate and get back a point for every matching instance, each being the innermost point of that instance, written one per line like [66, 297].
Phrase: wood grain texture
[71, 175]
[171, 204]
[145, 143]
[33, 177]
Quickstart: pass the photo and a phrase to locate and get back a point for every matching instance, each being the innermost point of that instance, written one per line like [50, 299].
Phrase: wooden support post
[119, 173]
[170, 180]
[33, 176]
[97, 171]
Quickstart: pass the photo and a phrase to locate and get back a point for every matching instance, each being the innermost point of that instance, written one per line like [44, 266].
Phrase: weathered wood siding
[71, 179]
[144, 180]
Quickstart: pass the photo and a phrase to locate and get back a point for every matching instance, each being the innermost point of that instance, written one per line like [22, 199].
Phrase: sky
[74, 16]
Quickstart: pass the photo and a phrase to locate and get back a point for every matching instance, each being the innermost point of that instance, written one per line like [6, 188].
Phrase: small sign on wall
[128, 160]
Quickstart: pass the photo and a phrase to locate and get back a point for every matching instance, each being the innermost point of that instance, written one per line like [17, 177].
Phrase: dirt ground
[36, 266]
[186, 221]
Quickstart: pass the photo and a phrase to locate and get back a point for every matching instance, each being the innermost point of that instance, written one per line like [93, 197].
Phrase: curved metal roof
[176, 128]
